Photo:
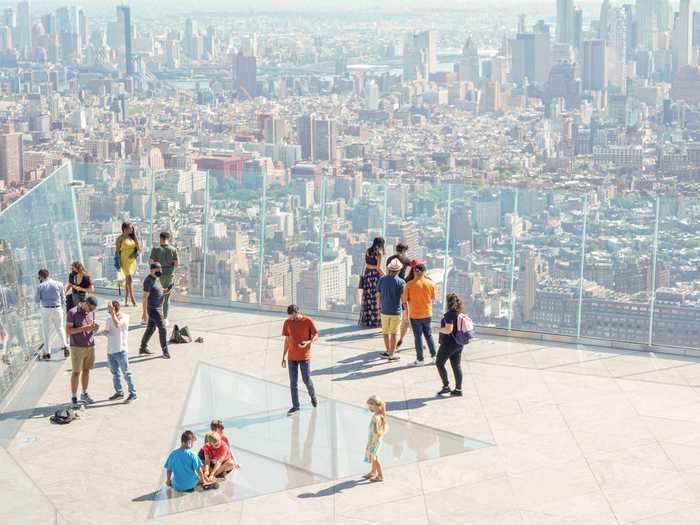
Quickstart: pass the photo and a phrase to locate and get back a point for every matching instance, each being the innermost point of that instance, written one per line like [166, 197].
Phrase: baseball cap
[416, 262]
[394, 266]
[155, 266]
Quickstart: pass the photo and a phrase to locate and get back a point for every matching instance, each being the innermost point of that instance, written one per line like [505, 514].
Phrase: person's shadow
[334, 489]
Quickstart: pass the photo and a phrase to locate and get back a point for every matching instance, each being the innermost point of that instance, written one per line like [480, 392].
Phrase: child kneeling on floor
[218, 458]
[184, 469]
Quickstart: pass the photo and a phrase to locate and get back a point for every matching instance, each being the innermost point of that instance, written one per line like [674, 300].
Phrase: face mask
[159, 273]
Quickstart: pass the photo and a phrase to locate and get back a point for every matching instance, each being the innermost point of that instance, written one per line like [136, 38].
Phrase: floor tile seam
[388, 502]
[56, 512]
[593, 360]
[662, 513]
[664, 369]
[588, 464]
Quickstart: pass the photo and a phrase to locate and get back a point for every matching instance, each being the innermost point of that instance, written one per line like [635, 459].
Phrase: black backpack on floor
[63, 417]
[180, 335]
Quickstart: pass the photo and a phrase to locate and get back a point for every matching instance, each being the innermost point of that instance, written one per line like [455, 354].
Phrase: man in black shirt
[153, 295]
[401, 250]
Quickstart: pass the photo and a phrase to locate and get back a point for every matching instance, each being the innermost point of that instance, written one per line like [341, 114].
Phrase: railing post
[652, 302]
[447, 246]
[582, 264]
[322, 241]
[386, 207]
[205, 240]
[261, 248]
[512, 260]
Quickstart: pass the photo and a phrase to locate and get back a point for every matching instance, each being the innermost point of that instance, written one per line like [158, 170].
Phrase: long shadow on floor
[360, 366]
[335, 489]
[410, 404]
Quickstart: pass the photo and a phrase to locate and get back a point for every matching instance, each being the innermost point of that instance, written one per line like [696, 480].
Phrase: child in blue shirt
[184, 468]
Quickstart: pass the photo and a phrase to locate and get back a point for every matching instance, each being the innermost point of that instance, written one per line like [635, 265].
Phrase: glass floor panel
[277, 452]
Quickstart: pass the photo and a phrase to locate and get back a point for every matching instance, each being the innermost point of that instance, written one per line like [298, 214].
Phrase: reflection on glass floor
[277, 452]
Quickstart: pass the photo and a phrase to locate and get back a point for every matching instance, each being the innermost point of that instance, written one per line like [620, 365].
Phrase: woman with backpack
[455, 329]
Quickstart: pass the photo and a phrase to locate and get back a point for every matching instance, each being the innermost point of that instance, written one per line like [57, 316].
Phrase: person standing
[52, 299]
[401, 251]
[166, 255]
[128, 249]
[378, 427]
[299, 332]
[81, 327]
[79, 285]
[419, 295]
[369, 313]
[117, 328]
[450, 347]
[153, 296]
[389, 291]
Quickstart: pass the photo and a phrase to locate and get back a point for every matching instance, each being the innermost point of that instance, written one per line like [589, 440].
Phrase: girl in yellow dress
[128, 248]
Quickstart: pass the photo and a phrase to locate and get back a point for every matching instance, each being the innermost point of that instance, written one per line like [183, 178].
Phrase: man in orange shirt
[299, 332]
[419, 295]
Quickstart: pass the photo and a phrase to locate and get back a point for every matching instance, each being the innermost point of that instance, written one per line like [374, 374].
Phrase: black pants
[155, 320]
[454, 354]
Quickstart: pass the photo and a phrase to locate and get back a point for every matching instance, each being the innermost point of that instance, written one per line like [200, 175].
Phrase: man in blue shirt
[52, 299]
[389, 291]
[184, 468]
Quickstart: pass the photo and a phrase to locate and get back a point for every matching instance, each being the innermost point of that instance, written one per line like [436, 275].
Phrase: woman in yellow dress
[128, 248]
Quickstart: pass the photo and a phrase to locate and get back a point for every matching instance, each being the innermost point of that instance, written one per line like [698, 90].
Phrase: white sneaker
[432, 361]
[416, 363]
[166, 322]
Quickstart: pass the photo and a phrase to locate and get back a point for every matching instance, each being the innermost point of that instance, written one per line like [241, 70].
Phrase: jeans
[454, 354]
[53, 324]
[294, 367]
[155, 320]
[421, 327]
[119, 362]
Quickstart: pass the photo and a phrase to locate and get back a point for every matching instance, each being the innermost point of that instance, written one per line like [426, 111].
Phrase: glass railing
[608, 263]
[39, 230]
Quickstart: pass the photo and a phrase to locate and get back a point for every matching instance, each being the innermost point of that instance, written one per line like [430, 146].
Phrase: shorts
[82, 358]
[391, 324]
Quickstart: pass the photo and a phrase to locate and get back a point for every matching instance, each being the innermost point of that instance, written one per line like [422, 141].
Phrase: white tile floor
[582, 436]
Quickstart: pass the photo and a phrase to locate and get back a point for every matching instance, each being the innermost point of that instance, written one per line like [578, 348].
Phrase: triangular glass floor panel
[278, 453]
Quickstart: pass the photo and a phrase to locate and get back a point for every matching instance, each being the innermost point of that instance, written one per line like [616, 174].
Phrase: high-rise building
[565, 21]
[325, 138]
[419, 55]
[124, 23]
[696, 29]
[595, 65]
[604, 20]
[469, 63]
[617, 49]
[531, 58]
[245, 76]
[653, 17]
[578, 27]
[682, 44]
[11, 158]
[305, 135]
[23, 36]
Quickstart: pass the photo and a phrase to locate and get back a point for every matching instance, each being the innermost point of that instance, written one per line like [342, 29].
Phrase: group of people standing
[68, 314]
[403, 296]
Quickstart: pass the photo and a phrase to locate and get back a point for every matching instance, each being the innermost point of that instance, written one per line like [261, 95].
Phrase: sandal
[367, 476]
[376, 479]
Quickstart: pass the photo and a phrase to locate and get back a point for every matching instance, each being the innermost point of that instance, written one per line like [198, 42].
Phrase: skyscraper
[24, 26]
[578, 28]
[419, 55]
[682, 46]
[595, 65]
[531, 58]
[469, 63]
[305, 135]
[617, 49]
[11, 158]
[124, 24]
[565, 21]
[245, 79]
[325, 138]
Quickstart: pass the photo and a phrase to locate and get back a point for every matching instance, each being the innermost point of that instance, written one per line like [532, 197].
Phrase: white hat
[394, 266]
